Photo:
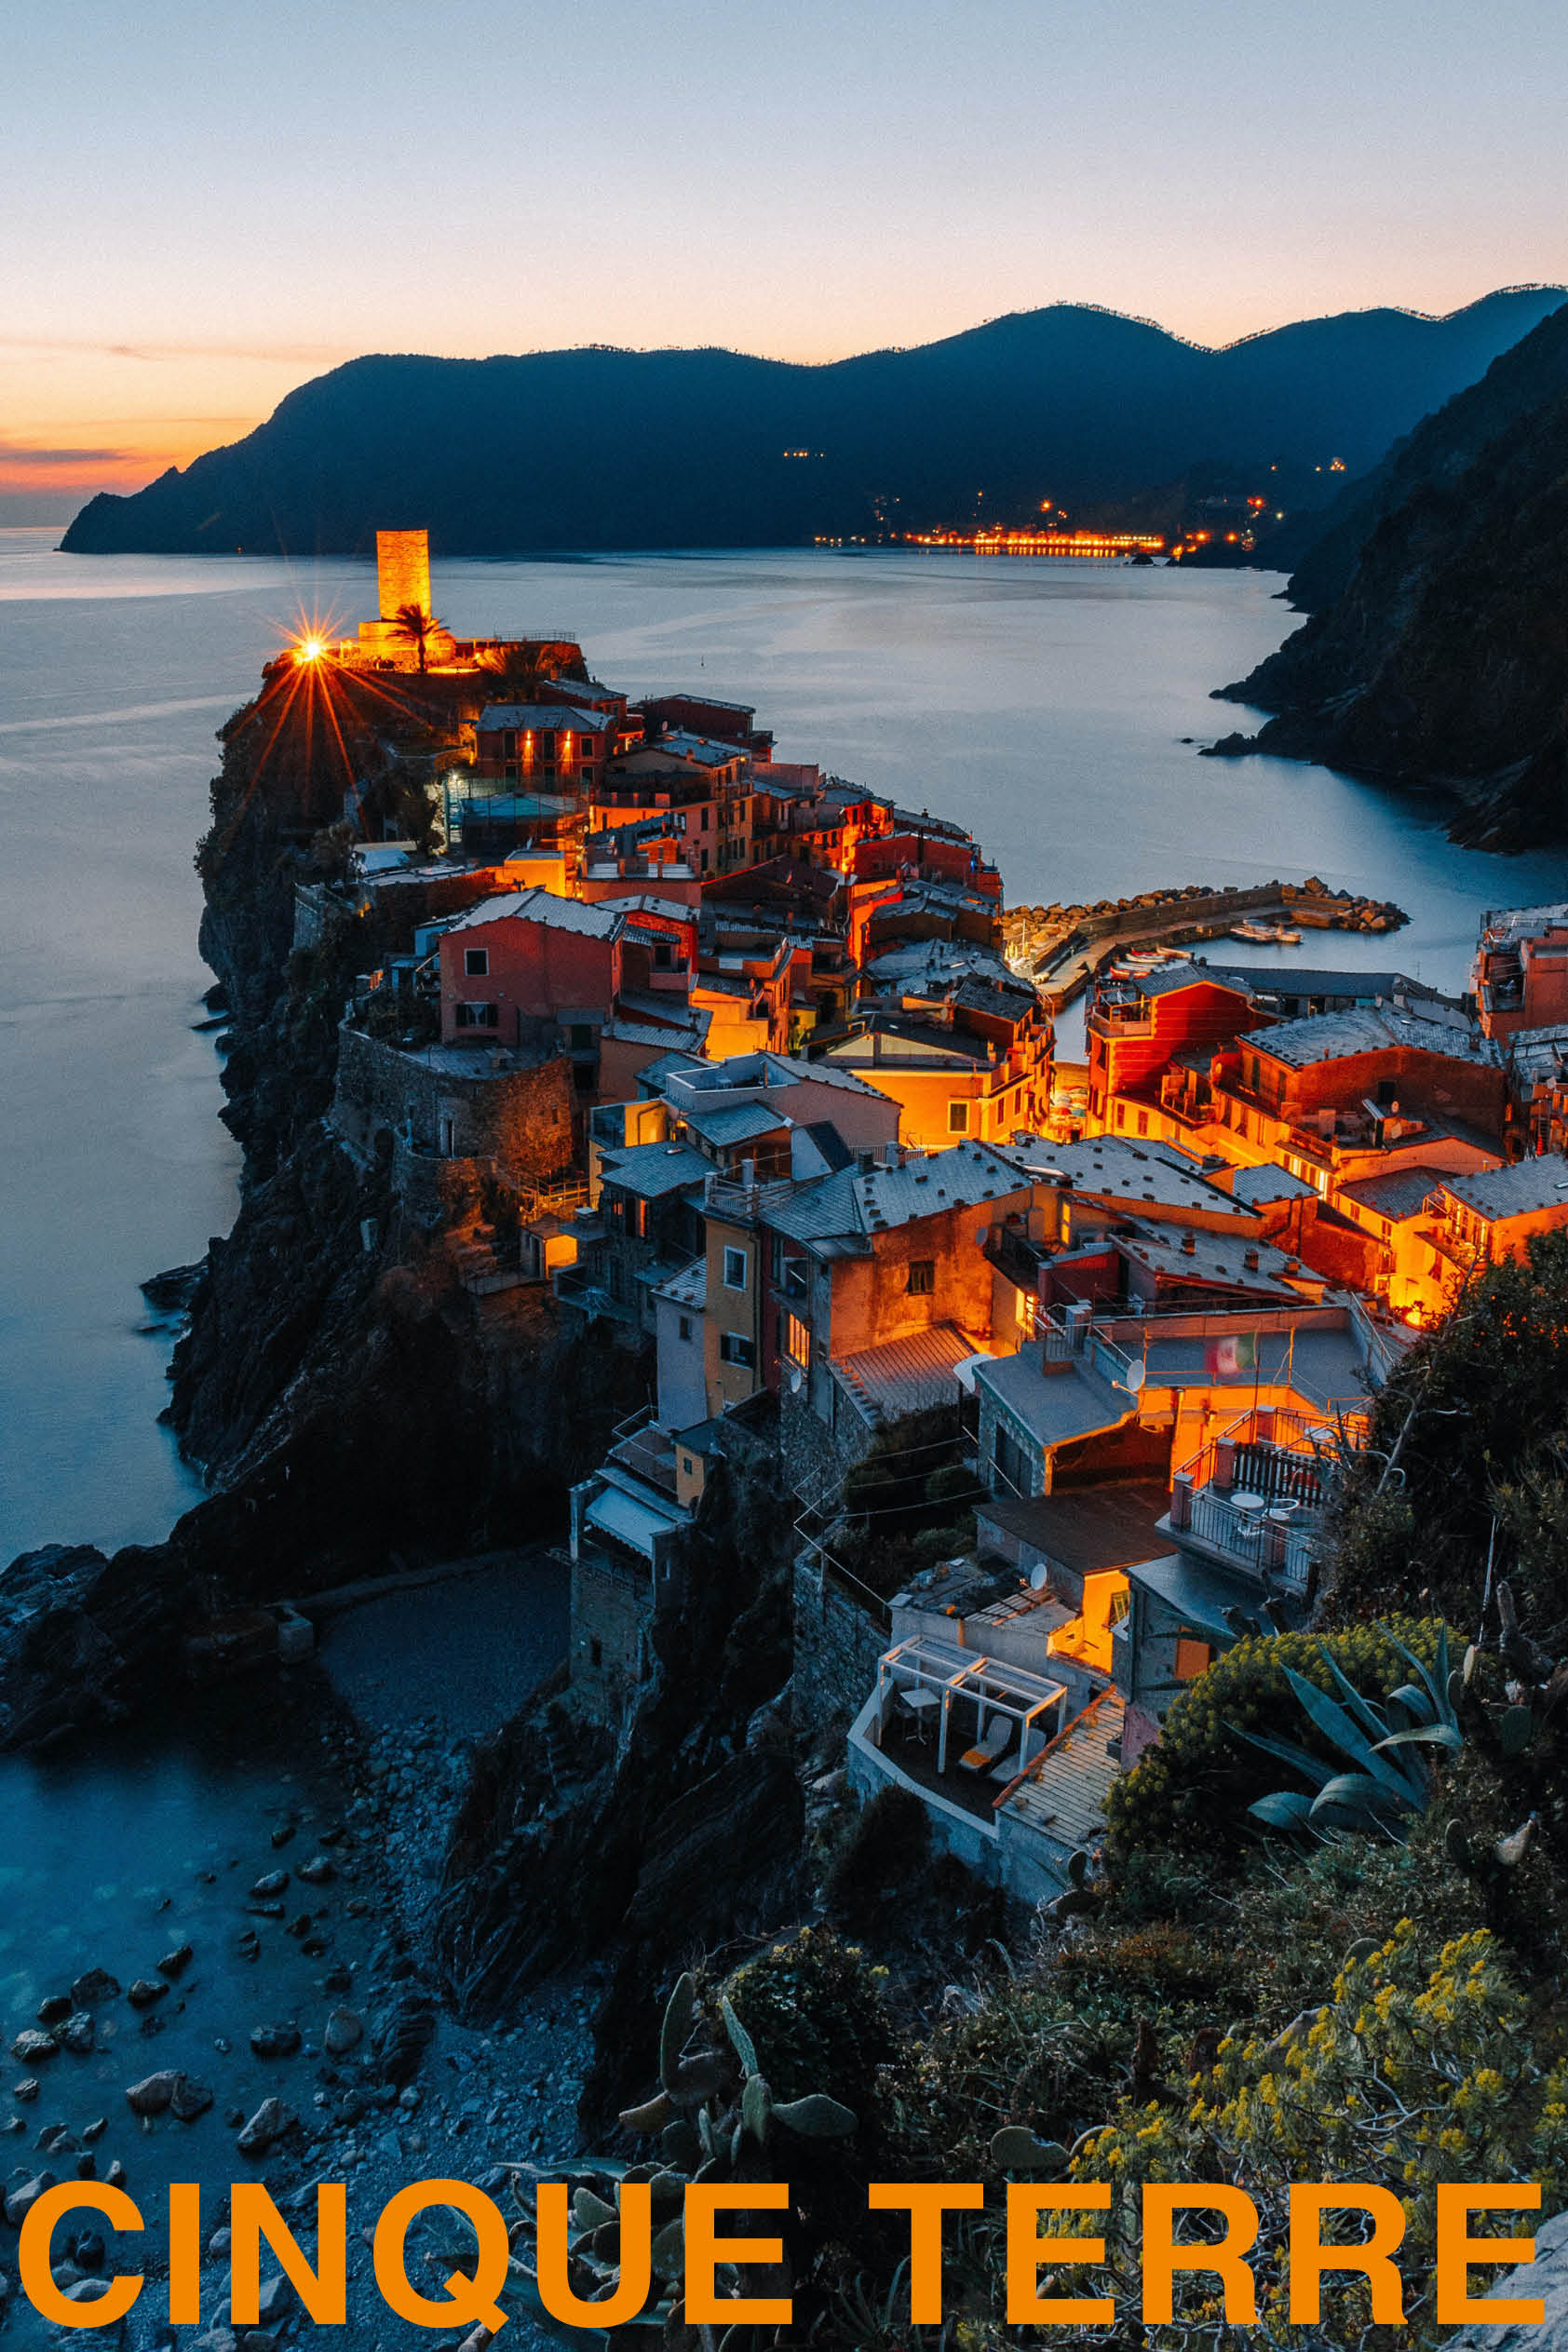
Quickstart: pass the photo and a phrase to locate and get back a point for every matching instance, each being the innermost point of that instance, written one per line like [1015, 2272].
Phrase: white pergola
[1040, 1708]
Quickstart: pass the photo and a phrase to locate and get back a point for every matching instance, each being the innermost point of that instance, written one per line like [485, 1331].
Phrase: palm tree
[520, 671]
[416, 626]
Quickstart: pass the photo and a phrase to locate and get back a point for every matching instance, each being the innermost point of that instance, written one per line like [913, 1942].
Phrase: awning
[630, 1522]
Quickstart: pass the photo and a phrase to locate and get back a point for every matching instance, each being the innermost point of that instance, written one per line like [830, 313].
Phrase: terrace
[1256, 1495]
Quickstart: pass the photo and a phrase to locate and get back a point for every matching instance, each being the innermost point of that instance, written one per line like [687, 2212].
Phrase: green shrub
[1200, 1778]
[815, 2011]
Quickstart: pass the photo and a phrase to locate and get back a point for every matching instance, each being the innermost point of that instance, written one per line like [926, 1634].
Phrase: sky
[204, 206]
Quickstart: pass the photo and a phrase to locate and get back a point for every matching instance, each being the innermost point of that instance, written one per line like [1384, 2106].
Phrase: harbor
[1062, 948]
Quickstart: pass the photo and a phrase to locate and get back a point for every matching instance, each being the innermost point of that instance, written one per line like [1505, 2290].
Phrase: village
[744, 1071]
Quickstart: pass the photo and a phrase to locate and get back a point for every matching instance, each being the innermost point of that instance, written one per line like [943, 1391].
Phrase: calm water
[1044, 705]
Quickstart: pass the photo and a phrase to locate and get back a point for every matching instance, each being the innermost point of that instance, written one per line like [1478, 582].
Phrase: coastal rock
[272, 1884]
[144, 1992]
[77, 2034]
[21, 2201]
[33, 2047]
[318, 1869]
[274, 2041]
[344, 2032]
[175, 1963]
[153, 2094]
[189, 2099]
[95, 1986]
[57, 2007]
[1546, 2277]
[267, 2126]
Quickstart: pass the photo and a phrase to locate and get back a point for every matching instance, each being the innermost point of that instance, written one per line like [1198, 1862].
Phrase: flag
[1224, 1358]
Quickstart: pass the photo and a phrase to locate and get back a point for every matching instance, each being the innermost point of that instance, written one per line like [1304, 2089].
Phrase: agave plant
[712, 2118]
[1381, 1778]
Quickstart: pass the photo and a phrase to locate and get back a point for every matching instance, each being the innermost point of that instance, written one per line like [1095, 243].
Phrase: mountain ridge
[599, 446]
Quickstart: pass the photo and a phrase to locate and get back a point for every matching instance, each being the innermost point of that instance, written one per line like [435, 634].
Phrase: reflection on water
[1045, 705]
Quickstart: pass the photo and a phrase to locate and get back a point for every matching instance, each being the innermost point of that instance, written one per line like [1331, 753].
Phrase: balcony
[1256, 1496]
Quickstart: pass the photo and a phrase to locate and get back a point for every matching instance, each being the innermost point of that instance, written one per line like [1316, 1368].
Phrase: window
[580, 1036]
[684, 1325]
[475, 963]
[1193, 1658]
[958, 1118]
[479, 1016]
[1142, 1122]
[922, 1277]
[797, 1341]
[733, 1349]
[596, 1653]
[734, 1269]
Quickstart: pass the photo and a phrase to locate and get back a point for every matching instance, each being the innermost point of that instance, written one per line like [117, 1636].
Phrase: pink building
[513, 963]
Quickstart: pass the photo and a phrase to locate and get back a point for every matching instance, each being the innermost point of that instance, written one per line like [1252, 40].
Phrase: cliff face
[344, 1395]
[1442, 661]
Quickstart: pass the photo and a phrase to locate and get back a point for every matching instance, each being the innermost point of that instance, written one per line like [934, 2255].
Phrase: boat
[1287, 939]
[1255, 934]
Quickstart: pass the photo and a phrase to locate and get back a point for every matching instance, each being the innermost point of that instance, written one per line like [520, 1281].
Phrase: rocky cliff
[1438, 650]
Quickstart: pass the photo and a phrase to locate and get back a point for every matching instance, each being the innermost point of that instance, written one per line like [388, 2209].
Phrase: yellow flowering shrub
[1406, 2076]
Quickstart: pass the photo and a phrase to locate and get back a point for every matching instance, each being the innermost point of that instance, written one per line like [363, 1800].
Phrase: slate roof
[542, 715]
[1399, 1195]
[1255, 1186]
[903, 1374]
[1113, 1167]
[652, 1171]
[1364, 1029]
[862, 1202]
[1528, 1185]
[541, 906]
[733, 1122]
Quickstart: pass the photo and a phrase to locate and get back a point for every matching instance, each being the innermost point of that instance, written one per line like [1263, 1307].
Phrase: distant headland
[1066, 416]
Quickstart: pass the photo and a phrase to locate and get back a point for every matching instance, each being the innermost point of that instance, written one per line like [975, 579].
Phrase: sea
[1053, 707]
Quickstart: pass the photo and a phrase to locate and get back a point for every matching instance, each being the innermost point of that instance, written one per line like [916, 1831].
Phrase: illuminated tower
[402, 571]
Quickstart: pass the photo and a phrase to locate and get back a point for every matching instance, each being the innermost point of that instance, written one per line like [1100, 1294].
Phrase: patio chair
[991, 1747]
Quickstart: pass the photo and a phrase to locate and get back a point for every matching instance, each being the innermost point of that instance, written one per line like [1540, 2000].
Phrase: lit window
[475, 963]
[1142, 1122]
[734, 1269]
[922, 1277]
[797, 1341]
[958, 1118]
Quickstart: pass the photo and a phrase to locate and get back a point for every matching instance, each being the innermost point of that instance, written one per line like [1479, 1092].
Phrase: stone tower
[402, 571]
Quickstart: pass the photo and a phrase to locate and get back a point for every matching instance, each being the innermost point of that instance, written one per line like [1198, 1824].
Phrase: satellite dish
[1134, 1377]
[795, 1381]
[1039, 1577]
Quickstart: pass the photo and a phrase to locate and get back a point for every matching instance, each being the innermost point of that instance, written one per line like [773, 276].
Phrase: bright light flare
[310, 649]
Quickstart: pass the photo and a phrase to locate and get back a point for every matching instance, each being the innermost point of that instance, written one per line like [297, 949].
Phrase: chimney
[1250, 1260]
[1189, 1245]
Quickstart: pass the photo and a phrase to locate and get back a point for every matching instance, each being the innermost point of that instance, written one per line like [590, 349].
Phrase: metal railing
[1279, 1543]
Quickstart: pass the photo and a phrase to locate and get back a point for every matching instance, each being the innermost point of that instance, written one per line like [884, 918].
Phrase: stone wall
[612, 1610]
[518, 1120]
[837, 1646]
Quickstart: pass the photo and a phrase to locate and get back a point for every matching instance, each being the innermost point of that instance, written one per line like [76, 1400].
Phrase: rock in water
[33, 2048]
[95, 1986]
[144, 1992]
